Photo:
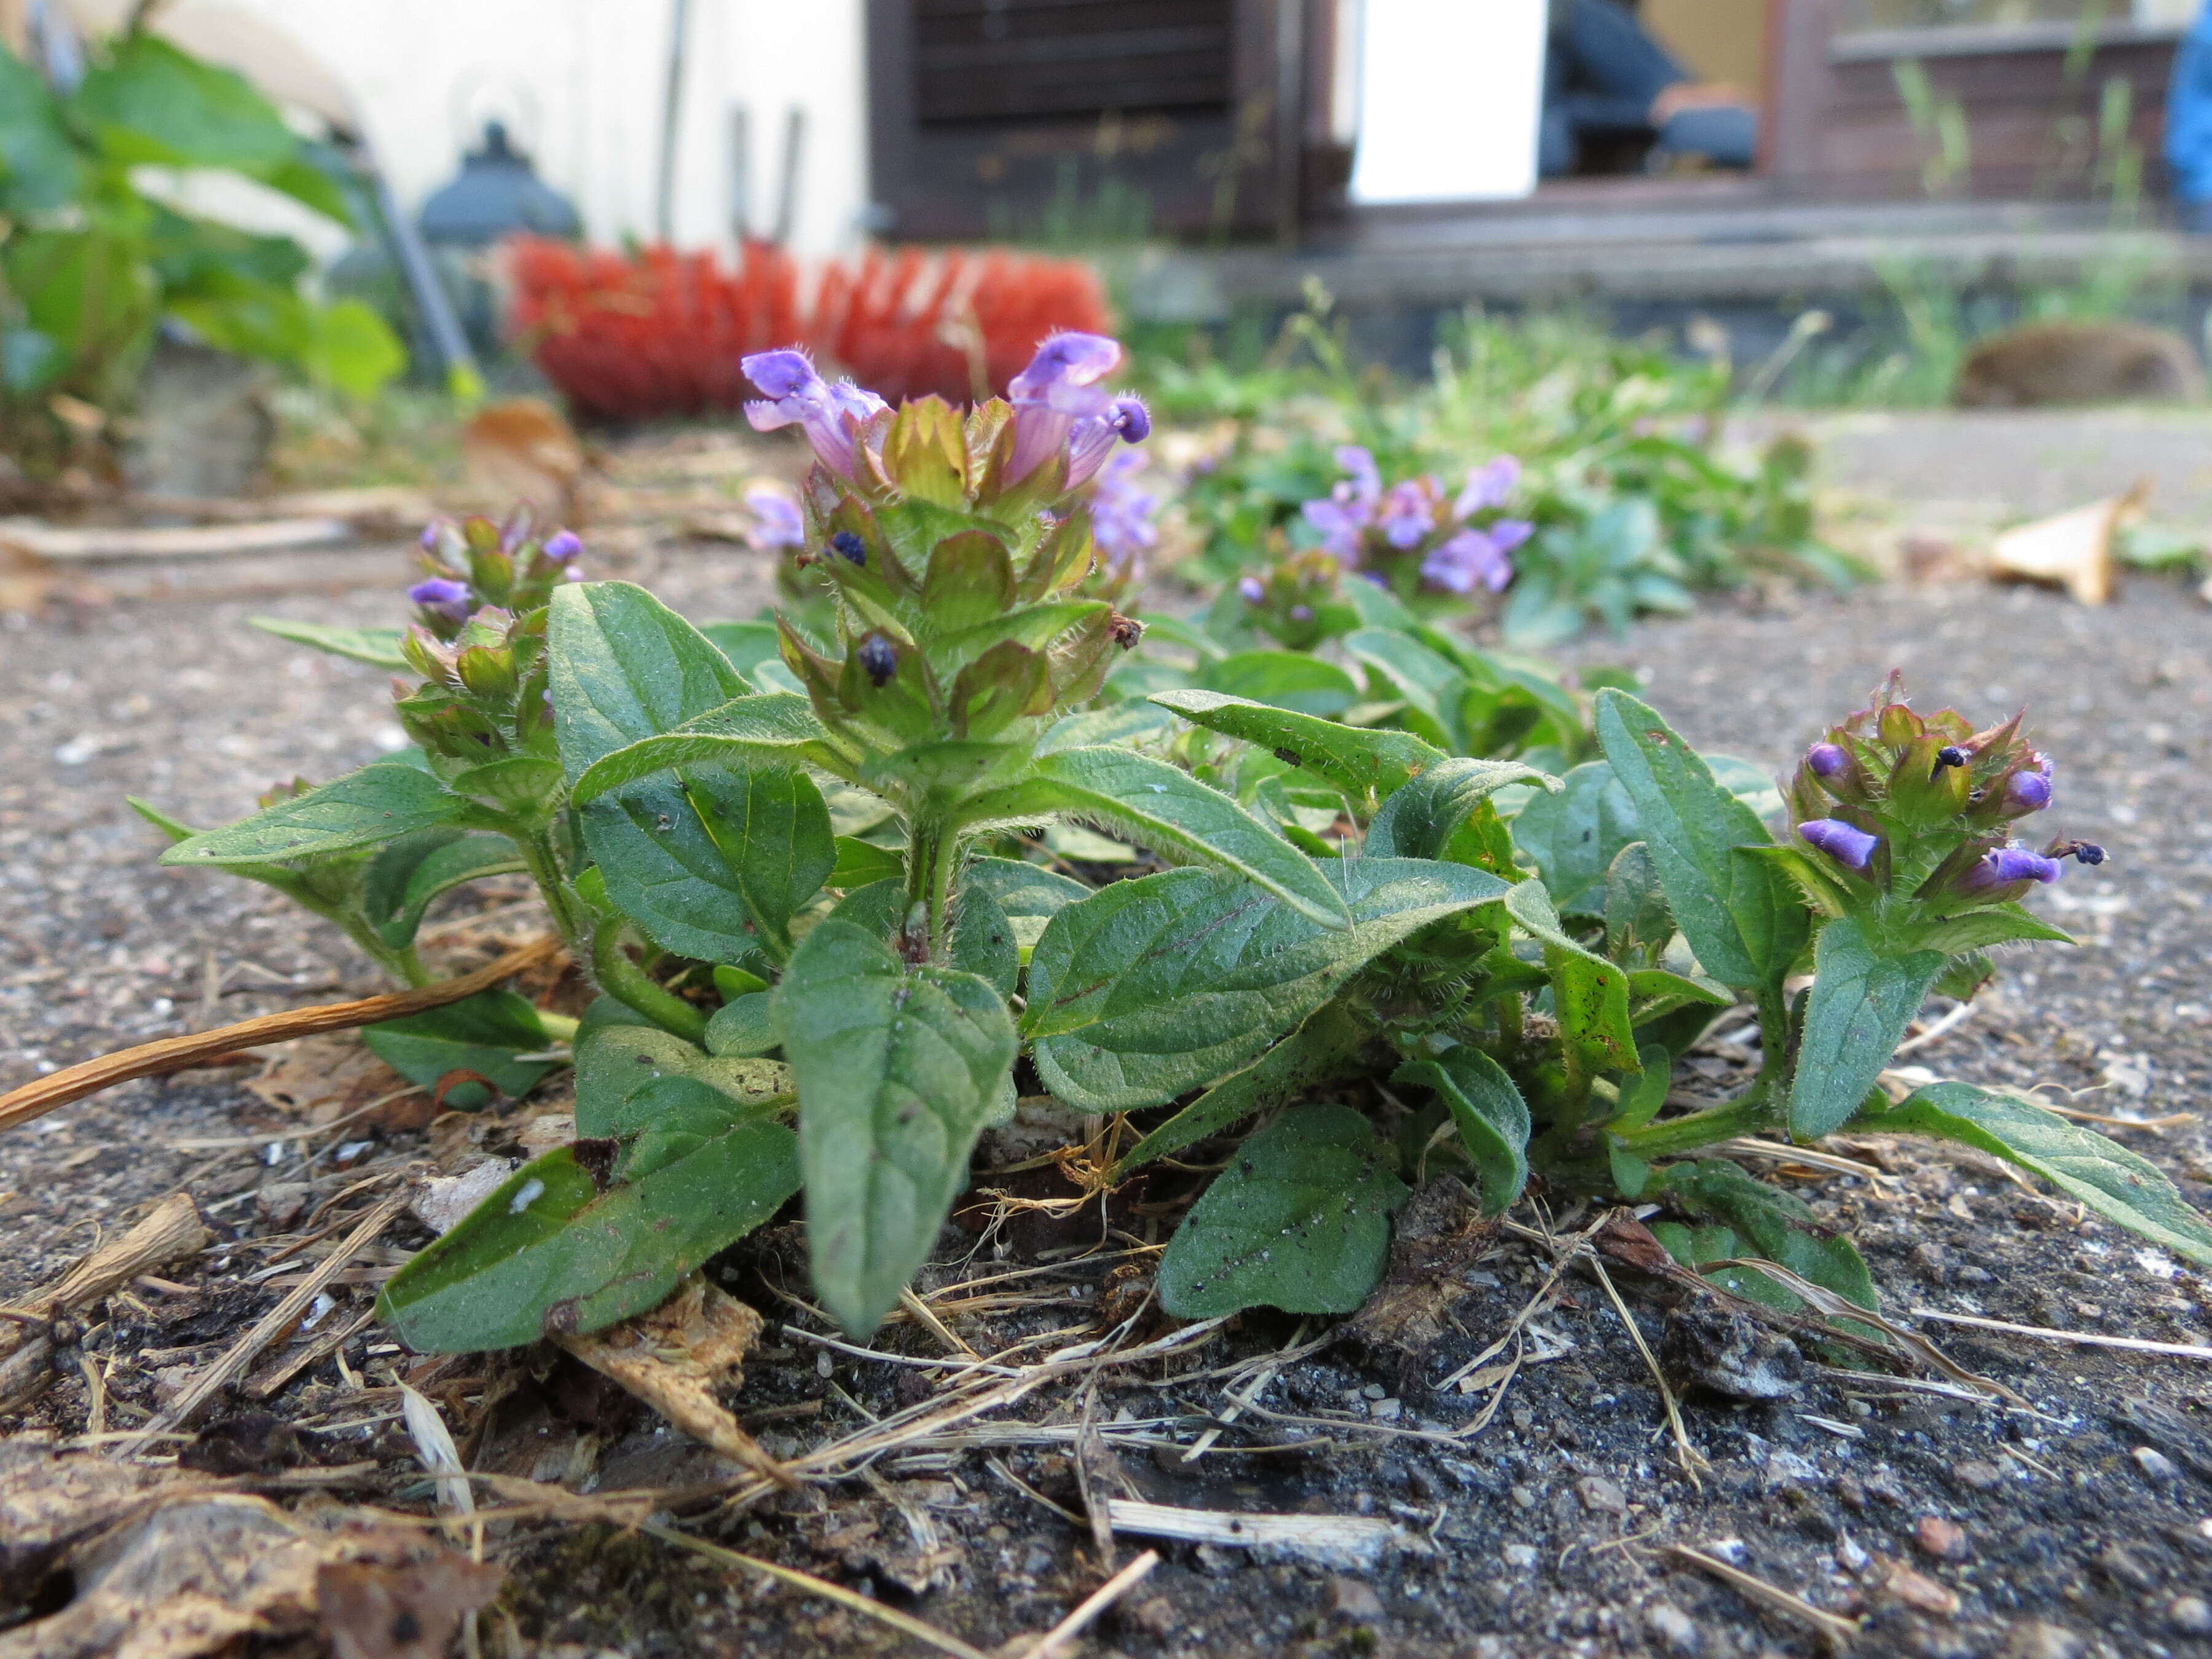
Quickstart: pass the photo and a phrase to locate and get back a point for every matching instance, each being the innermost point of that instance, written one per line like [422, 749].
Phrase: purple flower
[1250, 590]
[562, 546]
[1060, 388]
[2008, 865]
[443, 597]
[1509, 533]
[1828, 760]
[1342, 523]
[1092, 439]
[2029, 792]
[776, 522]
[1302, 614]
[1846, 843]
[1471, 559]
[1488, 486]
[1122, 517]
[1365, 482]
[879, 659]
[831, 415]
[1407, 515]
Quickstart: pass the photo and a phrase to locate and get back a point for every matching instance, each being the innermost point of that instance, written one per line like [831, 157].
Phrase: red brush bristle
[661, 334]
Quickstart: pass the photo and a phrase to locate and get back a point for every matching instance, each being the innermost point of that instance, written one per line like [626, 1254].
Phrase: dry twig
[175, 1054]
[1832, 1629]
[2080, 1339]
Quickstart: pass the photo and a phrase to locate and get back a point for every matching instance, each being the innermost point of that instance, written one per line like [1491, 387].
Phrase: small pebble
[2154, 1463]
[2192, 1614]
[1978, 1473]
[1520, 1557]
[1524, 1497]
[1355, 1600]
[1673, 1629]
[2034, 1639]
[1386, 1411]
[1944, 1540]
[1601, 1496]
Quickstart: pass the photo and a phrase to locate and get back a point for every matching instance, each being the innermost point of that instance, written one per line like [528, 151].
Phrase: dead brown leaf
[1440, 1233]
[674, 1358]
[319, 1079]
[373, 1611]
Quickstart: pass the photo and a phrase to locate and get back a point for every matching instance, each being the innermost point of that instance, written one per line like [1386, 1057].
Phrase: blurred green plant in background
[96, 256]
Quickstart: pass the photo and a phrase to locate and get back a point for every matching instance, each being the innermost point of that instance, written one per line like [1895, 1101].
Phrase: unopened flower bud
[2029, 792]
[851, 547]
[1828, 760]
[1949, 755]
[1127, 630]
[563, 545]
[1846, 843]
[879, 659]
[1249, 588]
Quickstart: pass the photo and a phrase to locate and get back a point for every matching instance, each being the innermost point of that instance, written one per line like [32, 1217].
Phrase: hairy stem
[933, 856]
[1774, 1056]
[543, 864]
[1741, 1115]
[629, 984]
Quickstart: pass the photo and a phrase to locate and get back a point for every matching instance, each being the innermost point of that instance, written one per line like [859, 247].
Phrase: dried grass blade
[1837, 1632]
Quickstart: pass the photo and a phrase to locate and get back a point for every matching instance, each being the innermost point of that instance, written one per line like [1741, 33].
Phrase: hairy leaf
[1492, 1118]
[2115, 1182]
[1766, 1222]
[1163, 808]
[1591, 993]
[1423, 820]
[1742, 919]
[485, 1034]
[1978, 930]
[1153, 987]
[1361, 760]
[1300, 1220]
[623, 666]
[548, 1252]
[1325, 1048]
[368, 808]
[618, 1054]
[1029, 895]
[1861, 1003]
[899, 1068]
[1575, 835]
[1284, 679]
[377, 646]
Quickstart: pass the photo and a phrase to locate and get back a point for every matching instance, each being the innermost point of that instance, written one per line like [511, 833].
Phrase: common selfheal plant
[1415, 536]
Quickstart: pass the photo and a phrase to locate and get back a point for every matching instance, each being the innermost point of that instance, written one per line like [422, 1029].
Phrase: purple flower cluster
[1361, 523]
[776, 523]
[1060, 408]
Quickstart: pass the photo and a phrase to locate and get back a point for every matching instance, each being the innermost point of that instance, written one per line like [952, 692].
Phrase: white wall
[581, 83]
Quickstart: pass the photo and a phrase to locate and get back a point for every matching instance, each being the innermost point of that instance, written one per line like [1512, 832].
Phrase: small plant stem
[629, 984]
[544, 866]
[1746, 1113]
[559, 1028]
[399, 961]
[932, 854]
[1772, 1087]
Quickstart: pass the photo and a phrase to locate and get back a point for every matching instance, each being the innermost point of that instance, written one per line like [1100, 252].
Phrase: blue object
[1601, 73]
[2189, 125]
[497, 194]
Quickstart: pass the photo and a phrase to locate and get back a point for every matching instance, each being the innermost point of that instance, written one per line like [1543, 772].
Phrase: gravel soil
[1952, 1527]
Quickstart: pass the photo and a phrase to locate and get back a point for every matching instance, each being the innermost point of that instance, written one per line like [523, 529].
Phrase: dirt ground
[1532, 1511]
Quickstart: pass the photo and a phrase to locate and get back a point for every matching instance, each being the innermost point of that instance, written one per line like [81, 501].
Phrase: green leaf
[1637, 919]
[1027, 895]
[862, 864]
[404, 879]
[1764, 1221]
[1433, 688]
[1591, 993]
[368, 808]
[1151, 987]
[899, 1068]
[746, 644]
[29, 361]
[716, 865]
[1299, 1221]
[619, 1055]
[1575, 835]
[1362, 762]
[548, 1252]
[351, 349]
[743, 1026]
[151, 104]
[2115, 1182]
[39, 166]
[1861, 1003]
[1283, 679]
[1422, 819]
[1978, 930]
[1492, 1118]
[1327, 1046]
[623, 666]
[1160, 807]
[1742, 919]
[483, 1034]
[773, 729]
[377, 646]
